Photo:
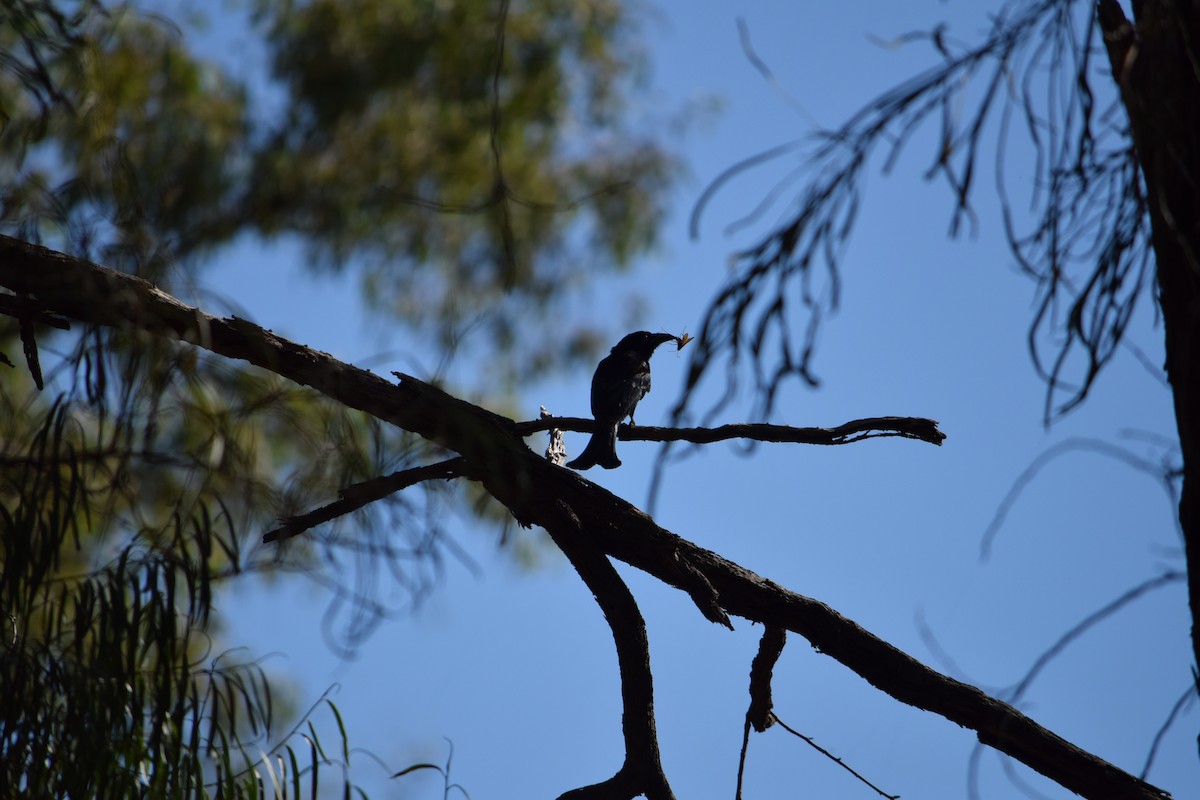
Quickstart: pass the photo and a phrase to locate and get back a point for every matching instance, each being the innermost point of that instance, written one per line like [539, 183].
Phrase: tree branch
[770, 647]
[642, 772]
[759, 715]
[856, 430]
[536, 492]
[835, 759]
[357, 495]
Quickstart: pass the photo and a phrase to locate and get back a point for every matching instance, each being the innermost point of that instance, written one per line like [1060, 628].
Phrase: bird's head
[643, 343]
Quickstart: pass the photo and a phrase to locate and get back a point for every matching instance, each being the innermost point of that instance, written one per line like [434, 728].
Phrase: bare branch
[769, 76]
[770, 647]
[354, 497]
[23, 308]
[759, 715]
[813, 744]
[1087, 623]
[854, 431]
[642, 772]
[1155, 64]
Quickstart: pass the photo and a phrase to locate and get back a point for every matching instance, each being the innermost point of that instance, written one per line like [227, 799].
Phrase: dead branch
[854, 431]
[835, 759]
[759, 715]
[642, 772]
[358, 495]
[770, 647]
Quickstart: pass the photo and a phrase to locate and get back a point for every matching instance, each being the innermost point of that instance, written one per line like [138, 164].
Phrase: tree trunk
[1156, 62]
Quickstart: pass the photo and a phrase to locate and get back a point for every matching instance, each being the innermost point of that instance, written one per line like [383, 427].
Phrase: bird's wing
[621, 380]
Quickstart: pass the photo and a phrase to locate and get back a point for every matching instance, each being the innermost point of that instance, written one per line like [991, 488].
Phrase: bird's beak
[663, 338]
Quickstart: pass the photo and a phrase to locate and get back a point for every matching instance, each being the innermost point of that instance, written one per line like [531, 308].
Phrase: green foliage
[136, 161]
[127, 504]
[111, 686]
[410, 101]
[474, 166]
[470, 162]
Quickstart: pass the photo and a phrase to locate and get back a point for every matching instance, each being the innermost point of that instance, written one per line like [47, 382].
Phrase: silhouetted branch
[540, 493]
[758, 715]
[770, 647]
[357, 495]
[812, 743]
[1056, 649]
[23, 308]
[870, 428]
[642, 772]
[769, 76]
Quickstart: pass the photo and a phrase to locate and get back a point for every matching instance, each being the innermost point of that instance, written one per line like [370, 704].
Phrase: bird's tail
[601, 449]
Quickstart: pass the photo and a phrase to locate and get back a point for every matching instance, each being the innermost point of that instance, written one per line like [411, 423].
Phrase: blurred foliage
[131, 491]
[132, 160]
[470, 158]
[113, 687]
[472, 163]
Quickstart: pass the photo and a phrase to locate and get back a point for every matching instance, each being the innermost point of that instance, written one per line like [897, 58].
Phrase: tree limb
[770, 647]
[856, 430]
[759, 715]
[536, 492]
[642, 772]
[357, 495]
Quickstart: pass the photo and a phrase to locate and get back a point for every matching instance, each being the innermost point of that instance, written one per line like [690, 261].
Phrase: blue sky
[517, 668]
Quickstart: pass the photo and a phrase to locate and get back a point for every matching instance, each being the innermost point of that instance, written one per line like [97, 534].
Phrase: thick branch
[642, 772]
[22, 308]
[536, 491]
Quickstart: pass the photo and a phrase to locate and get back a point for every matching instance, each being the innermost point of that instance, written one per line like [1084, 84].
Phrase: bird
[622, 379]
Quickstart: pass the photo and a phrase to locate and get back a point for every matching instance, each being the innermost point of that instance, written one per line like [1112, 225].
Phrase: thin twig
[833, 758]
[768, 75]
[1087, 623]
[1075, 444]
[1185, 699]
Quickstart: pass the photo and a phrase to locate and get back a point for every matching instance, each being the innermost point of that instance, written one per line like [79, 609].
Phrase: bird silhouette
[622, 379]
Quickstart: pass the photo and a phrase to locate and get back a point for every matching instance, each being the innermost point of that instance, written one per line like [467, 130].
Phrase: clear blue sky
[517, 667]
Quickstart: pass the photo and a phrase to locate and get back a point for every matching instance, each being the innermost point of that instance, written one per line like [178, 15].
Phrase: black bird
[621, 380]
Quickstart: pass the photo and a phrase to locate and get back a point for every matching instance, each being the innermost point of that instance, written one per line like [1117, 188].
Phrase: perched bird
[621, 380]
